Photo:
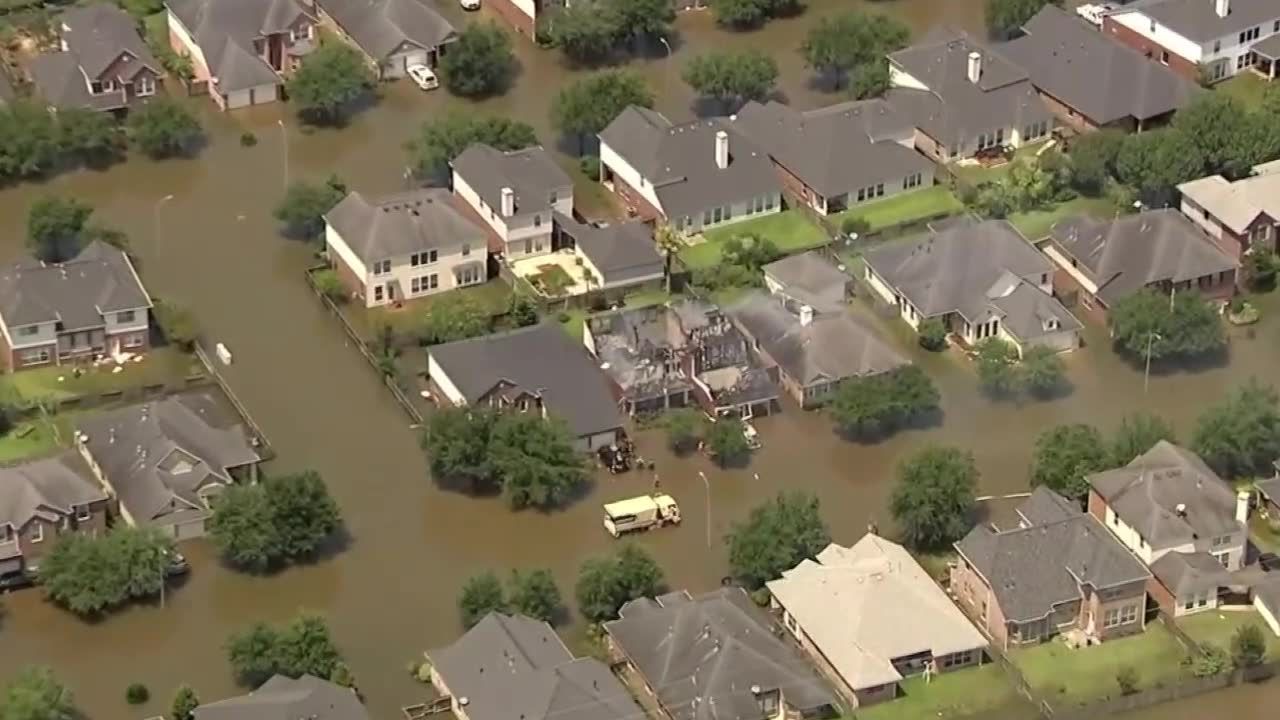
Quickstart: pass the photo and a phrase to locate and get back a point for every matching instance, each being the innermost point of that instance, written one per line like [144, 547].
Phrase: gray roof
[1128, 253]
[60, 82]
[703, 655]
[99, 35]
[403, 223]
[953, 109]
[283, 698]
[1098, 77]
[679, 161]
[1268, 47]
[836, 149]
[1033, 568]
[1170, 496]
[540, 359]
[623, 252]
[1044, 506]
[1027, 312]
[50, 489]
[832, 347]
[516, 668]
[1270, 487]
[158, 455]
[225, 31]
[76, 293]
[1189, 573]
[379, 27]
[810, 278]
[1198, 20]
[531, 173]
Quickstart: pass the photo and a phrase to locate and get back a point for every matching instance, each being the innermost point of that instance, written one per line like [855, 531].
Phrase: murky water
[392, 592]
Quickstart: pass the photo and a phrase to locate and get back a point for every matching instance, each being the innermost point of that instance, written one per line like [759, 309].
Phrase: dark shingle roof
[283, 698]
[540, 359]
[379, 27]
[50, 488]
[1044, 506]
[624, 252]
[1126, 254]
[99, 34]
[225, 30]
[809, 278]
[531, 174]
[1092, 73]
[1198, 20]
[1188, 573]
[704, 655]
[1270, 47]
[58, 79]
[404, 223]
[76, 293]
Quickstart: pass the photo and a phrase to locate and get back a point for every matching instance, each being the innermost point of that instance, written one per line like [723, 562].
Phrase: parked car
[751, 435]
[178, 564]
[469, 4]
[15, 581]
[423, 77]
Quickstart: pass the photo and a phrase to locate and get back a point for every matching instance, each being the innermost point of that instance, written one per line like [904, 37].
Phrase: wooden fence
[1189, 687]
[264, 448]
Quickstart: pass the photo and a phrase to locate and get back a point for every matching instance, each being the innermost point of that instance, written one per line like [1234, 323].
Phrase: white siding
[1143, 25]
[339, 251]
[1267, 615]
[1196, 215]
[903, 79]
[1064, 262]
[180, 30]
[515, 230]
[629, 174]
[138, 324]
[442, 381]
[492, 219]
[260, 95]
[46, 334]
[396, 65]
[527, 7]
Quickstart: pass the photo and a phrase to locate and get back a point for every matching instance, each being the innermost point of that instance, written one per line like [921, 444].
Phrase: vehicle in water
[644, 512]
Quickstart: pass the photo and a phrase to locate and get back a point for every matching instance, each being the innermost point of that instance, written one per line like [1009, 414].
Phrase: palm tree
[669, 243]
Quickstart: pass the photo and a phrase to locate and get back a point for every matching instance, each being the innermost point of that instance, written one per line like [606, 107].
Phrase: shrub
[933, 334]
[248, 139]
[136, 694]
[1127, 679]
[329, 285]
[1213, 661]
[590, 165]
[854, 225]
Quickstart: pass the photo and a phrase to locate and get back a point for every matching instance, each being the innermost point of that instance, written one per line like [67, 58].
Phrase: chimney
[722, 149]
[1242, 506]
[975, 64]
[508, 202]
[1222, 7]
[806, 315]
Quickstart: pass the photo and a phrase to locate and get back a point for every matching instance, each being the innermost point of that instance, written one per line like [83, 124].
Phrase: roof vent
[1181, 510]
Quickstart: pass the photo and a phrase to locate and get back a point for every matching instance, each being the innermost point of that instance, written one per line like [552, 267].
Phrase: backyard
[1217, 627]
[904, 208]
[1064, 676]
[571, 319]
[494, 296]
[790, 230]
[948, 695]
[35, 437]
[1035, 224]
[1246, 87]
[975, 173]
[159, 366]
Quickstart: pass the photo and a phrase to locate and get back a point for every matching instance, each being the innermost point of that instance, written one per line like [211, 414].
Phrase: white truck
[640, 513]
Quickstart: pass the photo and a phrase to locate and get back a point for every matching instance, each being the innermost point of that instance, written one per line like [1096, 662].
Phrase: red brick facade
[1151, 49]
[38, 536]
[514, 16]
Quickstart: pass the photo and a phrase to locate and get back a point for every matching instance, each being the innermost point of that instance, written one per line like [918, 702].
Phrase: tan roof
[866, 605]
[1237, 204]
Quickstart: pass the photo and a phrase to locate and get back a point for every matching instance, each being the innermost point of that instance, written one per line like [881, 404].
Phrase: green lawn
[1219, 626]
[1263, 534]
[1064, 676]
[551, 279]
[975, 173]
[159, 366]
[1036, 223]
[948, 695]
[904, 208]
[494, 296]
[1246, 87]
[34, 438]
[157, 27]
[790, 230]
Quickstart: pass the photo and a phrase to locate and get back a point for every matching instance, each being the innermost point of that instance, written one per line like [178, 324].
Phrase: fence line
[1189, 687]
[266, 452]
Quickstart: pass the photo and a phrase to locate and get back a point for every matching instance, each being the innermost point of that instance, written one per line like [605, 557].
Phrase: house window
[29, 330]
[82, 513]
[552, 197]
[1120, 616]
[95, 87]
[424, 283]
[37, 355]
[377, 293]
[146, 86]
[469, 276]
[466, 250]
[125, 316]
[1223, 558]
[133, 341]
[537, 221]
[425, 257]
[38, 534]
[912, 181]
[1164, 57]
[1250, 34]
[706, 217]
[382, 267]
[880, 190]
[1276, 27]
[717, 215]
[862, 194]
[1217, 46]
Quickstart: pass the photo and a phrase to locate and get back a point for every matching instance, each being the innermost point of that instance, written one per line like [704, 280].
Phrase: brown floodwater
[391, 593]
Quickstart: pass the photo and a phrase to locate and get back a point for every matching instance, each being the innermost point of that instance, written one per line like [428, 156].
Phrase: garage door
[188, 530]
[396, 67]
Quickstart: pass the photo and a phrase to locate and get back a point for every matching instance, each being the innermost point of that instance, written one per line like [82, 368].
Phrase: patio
[556, 274]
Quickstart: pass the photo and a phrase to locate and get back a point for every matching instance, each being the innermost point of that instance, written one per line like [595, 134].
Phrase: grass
[1084, 675]
[494, 296]
[1219, 626]
[790, 230]
[975, 173]
[1266, 537]
[590, 198]
[951, 695]
[1246, 87]
[1035, 224]
[157, 28]
[160, 366]
[34, 438]
[552, 279]
[905, 208]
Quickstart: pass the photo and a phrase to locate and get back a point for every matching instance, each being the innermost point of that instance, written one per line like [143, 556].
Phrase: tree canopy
[56, 228]
[301, 647]
[1248, 646]
[1005, 18]
[36, 694]
[444, 138]
[479, 62]
[481, 595]
[854, 43]
[92, 137]
[875, 406]
[608, 582]
[732, 77]
[745, 14]
[587, 106]
[328, 81]
[1093, 159]
[776, 536]
[534, 593]
[1065, 455]
[163, 128]
[89, 575]
[281, 519]
[726, 440]
[685, 428]
[933, 500]
[304, 205]
[586, 31]
[1148, 321]
[1240, 436]
[1156, 161]
[185, 702]
[1137, 434]
[997, 362]
[451, 317]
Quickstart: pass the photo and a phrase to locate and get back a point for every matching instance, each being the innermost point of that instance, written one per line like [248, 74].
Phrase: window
[770, 201]
[1250, 34]
[382, 267]
[1244, 61]
[133, 341]
[35, 356]
[466, 250]
[424, 283]
[377, 293]
[717, 215]
[1223, 558]
[425, 257]
[1164, 57]
[552, 198]
[706, 217]
[1120, 616]
[38, 533]
[82, 513]
[146, 85]
[1221, 541]
[1153, 26]
[537, 221]
[912, 181]
[862, 194]
[1217, 46]
[95, 87]
[880, 190]
[469, 276]
[29, 330]
[528, 246]
[125, 316]
[1276, 27]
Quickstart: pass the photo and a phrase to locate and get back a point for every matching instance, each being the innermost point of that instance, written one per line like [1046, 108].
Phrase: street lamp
[284, 143]
[666, 74]
[707, 483]
[1146, 374]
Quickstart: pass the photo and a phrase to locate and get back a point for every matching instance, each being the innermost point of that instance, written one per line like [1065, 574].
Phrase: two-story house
[241, 49]
[42, 499]
[516, 194]
[1240, 215]
[89, 306]
[393, 35]
[103, 63]
[1184, 521]
[404, 246]
[1212, 39]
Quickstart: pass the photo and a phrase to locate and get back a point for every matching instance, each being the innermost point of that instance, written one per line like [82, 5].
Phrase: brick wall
[1150, 48]
[522, 23]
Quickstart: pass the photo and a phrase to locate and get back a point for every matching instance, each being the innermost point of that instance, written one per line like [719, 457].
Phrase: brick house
[1211, 38]
[103, 64]
[43, 499]
[1239, 215]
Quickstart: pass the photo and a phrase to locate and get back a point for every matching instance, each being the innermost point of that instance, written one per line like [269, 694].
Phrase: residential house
[613, 257]
[42, 499]
[532, 369]
[813, 350]
[1159, 249]
[511, 667]
[393, 35]
[808, 279]
[1056, 571]
[1090, 80]
[404, 246]
[241, 50]
[1213, 39]
[870, 616]
[715, 656]
[102, 63]
[1184, 521]
[87, 307]
[981, 279]
[964, 98]
[284, 698]
[836, 157]
[697, 175]
[515, 193]
[166, 461]
[675, 355]
[1240, 215]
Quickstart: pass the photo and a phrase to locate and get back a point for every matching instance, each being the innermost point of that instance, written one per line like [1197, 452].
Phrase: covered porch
[1267, 57]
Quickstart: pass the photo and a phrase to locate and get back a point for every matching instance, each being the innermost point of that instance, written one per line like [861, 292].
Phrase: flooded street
[392, 592]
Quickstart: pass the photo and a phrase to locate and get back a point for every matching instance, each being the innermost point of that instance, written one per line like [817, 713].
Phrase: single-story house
[42, 499]
[612, 257]
[102, 62]
[808, 279]
[284, 698]
[536, 369]
[870, 616]
[393, 35]
[1240, 215]
[516, 193]
[1159, 249]
[981, 279]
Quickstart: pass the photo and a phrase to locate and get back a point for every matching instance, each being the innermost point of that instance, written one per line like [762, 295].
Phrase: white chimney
[1223, 7]
[1242, 506]
[722, 149]
[508, 202]
[806, 315]
[975, 65]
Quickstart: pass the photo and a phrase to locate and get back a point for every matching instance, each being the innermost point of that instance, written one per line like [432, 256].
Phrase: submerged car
[423, 77]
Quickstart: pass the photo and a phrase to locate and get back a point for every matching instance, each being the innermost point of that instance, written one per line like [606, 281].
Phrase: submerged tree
[933, 500]
[608, 582]
[481, 595]
[305, 204]
[1065, 456]
[776, 536]
[479, 62]
[328, 81]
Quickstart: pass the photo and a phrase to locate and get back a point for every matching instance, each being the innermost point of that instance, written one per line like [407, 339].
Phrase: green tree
[1065, 455]
[933, 500]
[1248, 646]
[523, 311]
[456, 440]
[303, 515]
[1211, 661]
[853, 43]
[776, 536]
[586, 31]
[302, 647]
[1005, 18]
[453, 316]
[1093, 160]
[342, 676]
[1137, 434]
[685, 428]
[163, 128]
[90, 575]
[177, 323]
[35, 694]
[876, 405]
[90, 136]
[1155, 162]
[998, 371]
[479, 63]
[587, 106]
[481, 595]
[328, 81]
[745, 14]
[535, 594]
[1214, 122]
[185, 702]
[1149, 323]
[643, 18]
[30, 143]
[242, 528]
[607, 583]
[535, 459]
[1240, 436]
[56, 228]
[726, 440]
[304, 206]
[1042, 371]
[932, 334]
[732, 77]
[254, 654]
[441, 140]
